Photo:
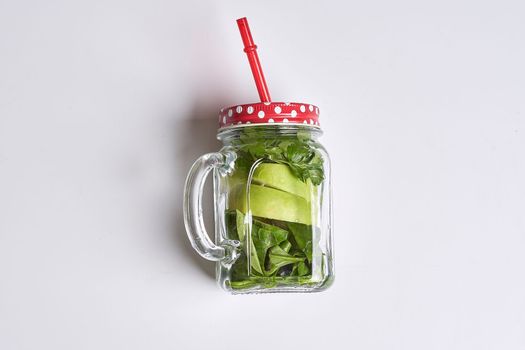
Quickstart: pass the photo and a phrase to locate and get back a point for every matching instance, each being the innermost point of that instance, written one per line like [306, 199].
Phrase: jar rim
[282, 128]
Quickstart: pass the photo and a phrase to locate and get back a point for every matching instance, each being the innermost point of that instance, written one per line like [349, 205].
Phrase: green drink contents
[274, 211]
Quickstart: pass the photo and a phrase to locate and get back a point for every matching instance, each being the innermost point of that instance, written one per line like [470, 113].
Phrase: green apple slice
[271, 203]
[279, 176]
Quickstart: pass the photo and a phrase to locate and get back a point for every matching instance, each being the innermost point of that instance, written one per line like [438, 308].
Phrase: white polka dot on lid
[311, 122]
[239, 123]
[316, 110]
[305, 122]
[260, 114]
[267, 103]
[230, 113]
[293, 113]
[270, 120]
[238, 109]
[277, 110]
[224, 120]
[303, 108]
[311, 108]
[285, 120]
[249, 109]
[248, 122]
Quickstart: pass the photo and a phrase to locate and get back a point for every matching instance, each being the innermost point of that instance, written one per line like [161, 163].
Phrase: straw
[251, 51]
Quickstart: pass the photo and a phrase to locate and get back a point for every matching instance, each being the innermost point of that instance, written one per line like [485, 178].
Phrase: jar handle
[227, 252]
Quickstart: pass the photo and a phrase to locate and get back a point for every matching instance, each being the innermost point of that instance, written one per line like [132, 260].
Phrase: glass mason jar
[272, 197]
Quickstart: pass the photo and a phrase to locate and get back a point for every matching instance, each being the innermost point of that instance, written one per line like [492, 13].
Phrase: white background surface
[105, 104]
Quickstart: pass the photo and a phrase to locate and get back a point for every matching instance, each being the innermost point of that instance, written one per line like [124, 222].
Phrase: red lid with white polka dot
[269, 113]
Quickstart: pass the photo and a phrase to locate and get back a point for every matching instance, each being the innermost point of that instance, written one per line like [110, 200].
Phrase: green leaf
[286, 245]
[297, 153]
[240, 225]
[230, 218]
[308, 251]
[279, 258]
[265, 236]
[302, 269]
[302, 235]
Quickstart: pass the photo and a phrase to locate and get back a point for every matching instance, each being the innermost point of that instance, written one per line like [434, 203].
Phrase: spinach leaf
[277, 248]
[279, 258]
[265, 236]
[230, 218]
[302, 235]
[302, 269]
[286, 245]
